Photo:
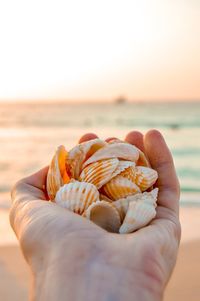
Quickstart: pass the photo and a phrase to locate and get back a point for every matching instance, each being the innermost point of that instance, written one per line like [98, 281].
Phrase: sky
[99, 50]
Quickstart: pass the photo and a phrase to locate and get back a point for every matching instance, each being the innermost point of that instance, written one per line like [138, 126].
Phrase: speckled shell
[80, 153]
[77, 196]
[104, 215]
[140, 212]
[57, 175]
[122, 166]
[145, 177]
[119, 187]
[119, 150]
[100, 172]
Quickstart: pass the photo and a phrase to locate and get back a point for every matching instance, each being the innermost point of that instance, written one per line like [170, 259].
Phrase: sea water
[30, 133]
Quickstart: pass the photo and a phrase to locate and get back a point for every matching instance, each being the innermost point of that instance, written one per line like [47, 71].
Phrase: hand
[71, 258]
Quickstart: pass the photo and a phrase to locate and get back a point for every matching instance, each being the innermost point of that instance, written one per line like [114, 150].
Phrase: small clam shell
[77, 196]
[119, 187]
[140, 212]
[104, 215]
[122, 204]
[119, 150]
[105, 198]
[145, 177]
[100, 172]
[80, 153]
[122, 166]
[129, 174]
[57, 174]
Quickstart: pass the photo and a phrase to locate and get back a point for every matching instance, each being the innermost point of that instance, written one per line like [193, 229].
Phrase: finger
[87, 137]
[135, 138]
[162, 161]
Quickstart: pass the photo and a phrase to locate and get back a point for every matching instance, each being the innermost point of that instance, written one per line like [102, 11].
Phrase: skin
[73, 259]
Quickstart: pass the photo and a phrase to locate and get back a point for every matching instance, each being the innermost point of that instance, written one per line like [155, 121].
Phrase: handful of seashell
[109, 183]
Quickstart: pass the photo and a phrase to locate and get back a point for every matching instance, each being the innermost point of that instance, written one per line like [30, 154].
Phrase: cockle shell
[129, 173]
[80, 153]
[105, 198]
[119, 187]
[122, 204]
[123, 151]
[57, 174]
[100, 172]
[104, 215]
[77, 196]
[145, 177]
[140, 212]
[122, 166]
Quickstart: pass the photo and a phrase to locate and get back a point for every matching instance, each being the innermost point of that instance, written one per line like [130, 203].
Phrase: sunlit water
[29, 134]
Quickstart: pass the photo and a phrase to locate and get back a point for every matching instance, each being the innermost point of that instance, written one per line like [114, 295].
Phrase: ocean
[30, 133]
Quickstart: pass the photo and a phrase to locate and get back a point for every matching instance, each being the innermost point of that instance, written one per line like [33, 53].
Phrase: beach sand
[184, 284]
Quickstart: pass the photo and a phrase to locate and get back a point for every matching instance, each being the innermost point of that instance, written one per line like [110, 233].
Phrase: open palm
[146, 258]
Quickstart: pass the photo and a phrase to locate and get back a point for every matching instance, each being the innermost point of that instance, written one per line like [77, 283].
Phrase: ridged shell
[100, 172]
[57, 175]
[145, 177]
[129, 174]
[122, 204]
[80, 153]
[143, 161]
[77, 196]
[119, 187]
[122, 166]
[123, 151]
[140, 213]
[105, 198]
[104, 215]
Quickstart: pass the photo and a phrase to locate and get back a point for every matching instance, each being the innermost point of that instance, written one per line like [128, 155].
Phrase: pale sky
[97, 50]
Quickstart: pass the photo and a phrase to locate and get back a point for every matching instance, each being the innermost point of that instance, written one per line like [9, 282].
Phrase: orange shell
[145, 177]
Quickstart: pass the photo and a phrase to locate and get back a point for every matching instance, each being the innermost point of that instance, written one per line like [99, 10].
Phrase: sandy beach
[184, 284]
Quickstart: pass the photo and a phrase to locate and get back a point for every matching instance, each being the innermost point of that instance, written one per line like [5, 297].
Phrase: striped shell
[80, 153]
[77, 196]
[123, 166]
[140, 212]
[119, 150]
[104, 215]
[145, 177]
[57, 175]
[119, 187]
[100, 172]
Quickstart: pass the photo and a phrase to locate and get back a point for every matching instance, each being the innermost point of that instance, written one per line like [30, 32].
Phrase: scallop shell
[119, 150]
[145, 177]
[100, 172]
[57, 174]
[129, 174]
[80, 153]
[122, 204]
[104, 215]
[122, 166]
[140, 213]
[119, 187]
[77, 196]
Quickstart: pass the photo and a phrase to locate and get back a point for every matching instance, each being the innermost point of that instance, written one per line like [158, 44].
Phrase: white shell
[80, 153]
[104, 215]
[122, 166]
[140, 213]
[115, 150]
[119, 187]
[100, 172]
[145, 177]
[77, 196]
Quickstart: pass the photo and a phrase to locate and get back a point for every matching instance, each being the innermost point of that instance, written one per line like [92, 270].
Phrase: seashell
[104, 215]
[105, 198]
[140, 213]
[80, 153]
[122, 204]
[119, 187]
[129, 174]
[143, 160]
[123, 151]
[145, 177]
[57, 174]
[77, 196]
[122, 166]
[100, 172]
